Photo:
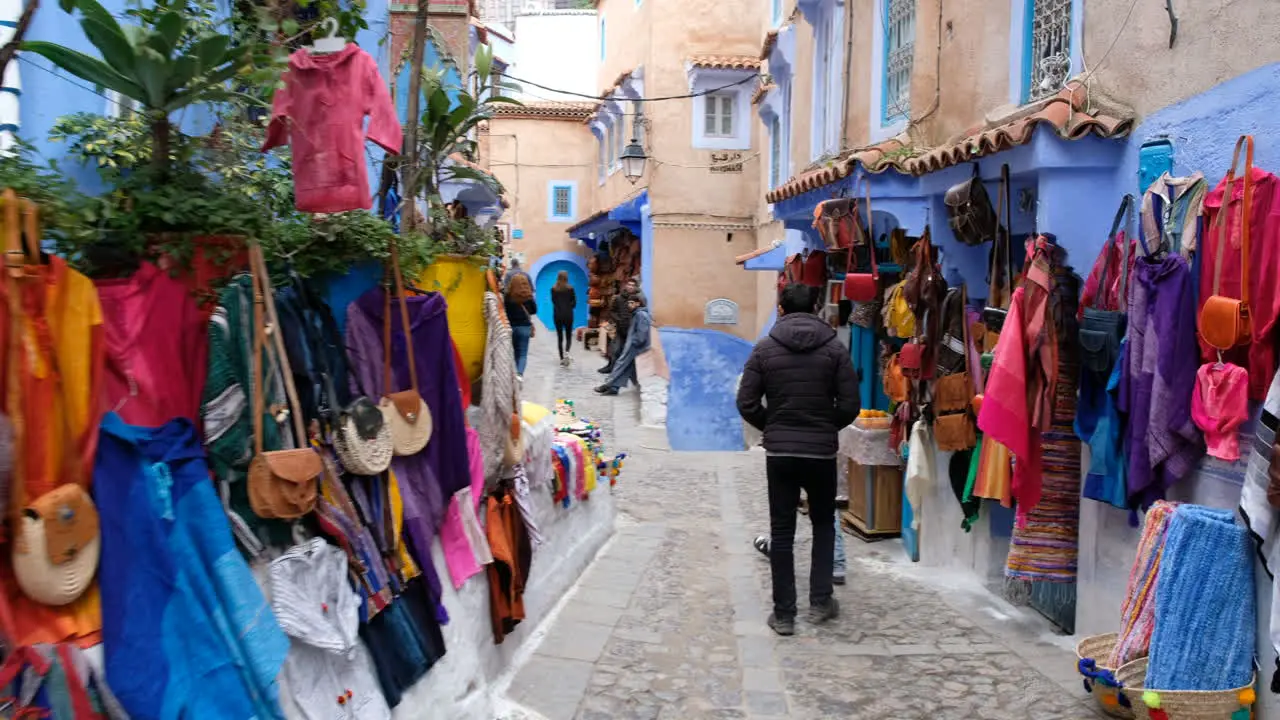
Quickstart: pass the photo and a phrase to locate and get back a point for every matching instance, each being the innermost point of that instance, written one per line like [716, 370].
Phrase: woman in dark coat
[563, 301]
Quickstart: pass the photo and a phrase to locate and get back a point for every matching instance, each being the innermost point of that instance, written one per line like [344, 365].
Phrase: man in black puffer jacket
[805, 377]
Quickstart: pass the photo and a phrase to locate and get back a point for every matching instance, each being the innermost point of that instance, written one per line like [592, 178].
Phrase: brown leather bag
[895, 382]
[1225, 322]
[955, 432]
[1000, 270]
[969, 210]
[283, 484]
[836, 221]
[924, 287]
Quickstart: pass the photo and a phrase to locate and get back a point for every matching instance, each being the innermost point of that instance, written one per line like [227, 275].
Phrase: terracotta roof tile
[1063, 113]
[547, 109]
[770, 40]
[761, 91]
[725, 62]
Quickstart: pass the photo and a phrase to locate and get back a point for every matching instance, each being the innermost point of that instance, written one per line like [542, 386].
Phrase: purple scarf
[1164, 444]
[429, 479]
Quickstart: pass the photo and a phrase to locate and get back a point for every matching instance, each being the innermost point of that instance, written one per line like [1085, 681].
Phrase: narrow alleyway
[669, 622]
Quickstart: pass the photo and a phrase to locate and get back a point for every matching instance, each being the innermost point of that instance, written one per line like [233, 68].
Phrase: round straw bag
[1092, 652]
[1183, 704]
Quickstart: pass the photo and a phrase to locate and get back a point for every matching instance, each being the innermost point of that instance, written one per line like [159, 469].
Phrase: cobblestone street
[669, 622]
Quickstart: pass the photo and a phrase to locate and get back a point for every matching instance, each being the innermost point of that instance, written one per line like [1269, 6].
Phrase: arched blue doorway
[545, 270]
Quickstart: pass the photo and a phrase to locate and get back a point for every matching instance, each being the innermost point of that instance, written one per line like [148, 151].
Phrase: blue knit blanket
[1206, 612]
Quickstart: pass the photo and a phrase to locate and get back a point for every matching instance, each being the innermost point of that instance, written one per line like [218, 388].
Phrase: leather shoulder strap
[396, 279]
[1246, 206]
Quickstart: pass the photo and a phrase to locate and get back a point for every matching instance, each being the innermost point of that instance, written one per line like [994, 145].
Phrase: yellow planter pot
[462, 283]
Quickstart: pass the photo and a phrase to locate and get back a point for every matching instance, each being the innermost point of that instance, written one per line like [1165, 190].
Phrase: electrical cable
[743, 81]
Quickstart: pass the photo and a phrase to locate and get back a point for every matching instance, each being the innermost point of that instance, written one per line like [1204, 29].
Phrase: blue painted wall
[702, 413]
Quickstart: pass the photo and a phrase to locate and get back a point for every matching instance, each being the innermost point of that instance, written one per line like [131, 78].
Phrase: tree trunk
[409, 171]
[160, 135]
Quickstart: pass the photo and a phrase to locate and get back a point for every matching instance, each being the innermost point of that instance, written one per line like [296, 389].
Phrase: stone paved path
[669, 622]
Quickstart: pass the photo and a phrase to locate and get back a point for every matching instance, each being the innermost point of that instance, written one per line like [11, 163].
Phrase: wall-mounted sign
[721, 311]
[517, 234]
[728, 161]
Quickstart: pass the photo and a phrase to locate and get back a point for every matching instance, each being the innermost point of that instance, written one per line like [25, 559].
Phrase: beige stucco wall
[696, 265]
[540, 144]
[1216, 41]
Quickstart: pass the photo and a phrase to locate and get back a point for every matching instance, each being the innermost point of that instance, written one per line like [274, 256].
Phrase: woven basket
[1184, 704]
[1098, 648]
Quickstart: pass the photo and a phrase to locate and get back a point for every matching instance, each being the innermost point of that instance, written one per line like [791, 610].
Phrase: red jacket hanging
[320, 112]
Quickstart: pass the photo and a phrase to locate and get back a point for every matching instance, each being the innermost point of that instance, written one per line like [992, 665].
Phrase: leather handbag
[1102, 331]
[836, 222]
[405, 412]
[58, 546]
[896, 385]
[911, 359]
[283, 484]
[969, 210]
[954, 427]
[863, 287]
[1000, 291]
[954, 392]
[1225, 322]
[955, 432]
[924, 287]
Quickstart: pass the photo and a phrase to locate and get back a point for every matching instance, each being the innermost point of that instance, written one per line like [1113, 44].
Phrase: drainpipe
[848, 60]
[11, 89]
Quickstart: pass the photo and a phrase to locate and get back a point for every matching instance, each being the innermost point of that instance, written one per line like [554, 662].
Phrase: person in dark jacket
[638, 343]
[800, 388]
[521, 308]
[620, 315]
[563, 302]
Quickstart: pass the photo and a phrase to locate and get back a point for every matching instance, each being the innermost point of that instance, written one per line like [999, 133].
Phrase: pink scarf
[463, 541]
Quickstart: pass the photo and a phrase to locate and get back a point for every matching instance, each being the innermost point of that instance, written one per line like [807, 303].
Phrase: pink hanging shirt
[1220, 405]
[320, 113]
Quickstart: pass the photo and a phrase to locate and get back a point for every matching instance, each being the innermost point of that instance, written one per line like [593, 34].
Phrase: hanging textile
[1260, 356]
[320, 112]
[512, 556]
[54, 394]
[432, 476]
[1106, 480]
[524, 500]
[55, 682]
[1258, 513]
[1164, 444]
[466, 551]
[157, 505]
[327, 671]
[339, 519]
[405, 641]
[1171, 212]
[500, 397]
[156, 352]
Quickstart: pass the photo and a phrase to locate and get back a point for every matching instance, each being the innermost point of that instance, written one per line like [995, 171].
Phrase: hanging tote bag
[969, 210]
[283, 484]
[1000, 284]
[863, 287]
[836, 221]
[1101, 331]
[362, 437]
[405, 412]
[1225, 321]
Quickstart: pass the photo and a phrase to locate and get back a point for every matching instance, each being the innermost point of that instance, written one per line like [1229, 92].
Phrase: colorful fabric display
[1219, 406]
[1205, 627]
[466, 551]
[1137, 615]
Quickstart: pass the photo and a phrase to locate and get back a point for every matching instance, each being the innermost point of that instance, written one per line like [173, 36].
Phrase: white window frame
[602, 163]
[775, 151]
[713, 107]
[828, 72]
[704, 82]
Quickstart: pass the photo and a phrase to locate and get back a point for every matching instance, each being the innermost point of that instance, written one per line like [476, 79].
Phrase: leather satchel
[954, 428]
[924, 287]
[283, 484]
[405, 412]
[863, 287]
[836, 222]
[1224, 321]
[954, 392]
[58, 546]
[1000, 274]
[1102, 331]
[896, 385]
[969, 210]
[955, 432]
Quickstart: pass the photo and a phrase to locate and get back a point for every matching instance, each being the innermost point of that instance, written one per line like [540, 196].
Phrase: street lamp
[633, 157]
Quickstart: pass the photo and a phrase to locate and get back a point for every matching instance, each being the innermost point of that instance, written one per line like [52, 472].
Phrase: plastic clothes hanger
[331, 42]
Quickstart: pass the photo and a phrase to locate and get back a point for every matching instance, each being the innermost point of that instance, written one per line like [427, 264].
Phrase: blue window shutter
[1154, 159]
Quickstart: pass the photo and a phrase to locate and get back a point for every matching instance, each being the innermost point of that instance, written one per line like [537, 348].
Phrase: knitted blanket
[1205, 625]
[498, 399]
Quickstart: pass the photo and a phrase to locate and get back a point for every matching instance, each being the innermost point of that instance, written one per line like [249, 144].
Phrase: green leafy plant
[59, 200]
[164, 63]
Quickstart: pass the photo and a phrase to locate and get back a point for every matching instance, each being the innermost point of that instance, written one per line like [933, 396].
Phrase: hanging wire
[743, 81]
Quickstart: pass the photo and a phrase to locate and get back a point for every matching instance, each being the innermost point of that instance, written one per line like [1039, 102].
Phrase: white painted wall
[559, 49]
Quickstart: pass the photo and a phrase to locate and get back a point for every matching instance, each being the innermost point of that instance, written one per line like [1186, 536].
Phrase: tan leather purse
[58, 546]
[283, 484]
[1224, 321]
[954, 427]
[895, 382]
[404, 412]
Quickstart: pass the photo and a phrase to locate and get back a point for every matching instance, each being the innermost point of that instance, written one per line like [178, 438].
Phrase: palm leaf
[111, 43]
[89, 69]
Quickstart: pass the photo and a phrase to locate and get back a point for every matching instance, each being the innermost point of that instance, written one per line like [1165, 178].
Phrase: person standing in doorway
[621, 318]
[521, 307]
[800, 388]
[624, 364]
[563, 301]
[514, 271]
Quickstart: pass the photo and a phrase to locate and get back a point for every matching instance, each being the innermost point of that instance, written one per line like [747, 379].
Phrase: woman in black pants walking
[563, 302]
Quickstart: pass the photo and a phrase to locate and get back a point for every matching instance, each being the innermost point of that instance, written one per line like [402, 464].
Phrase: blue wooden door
[547, 279]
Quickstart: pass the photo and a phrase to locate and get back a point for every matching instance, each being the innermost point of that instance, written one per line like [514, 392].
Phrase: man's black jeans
[787, 477]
